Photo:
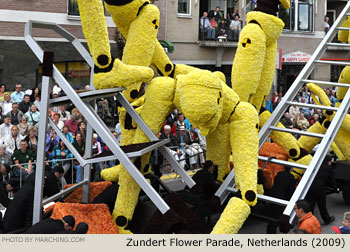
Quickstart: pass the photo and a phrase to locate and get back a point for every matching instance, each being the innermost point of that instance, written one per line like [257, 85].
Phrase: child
[345, 229]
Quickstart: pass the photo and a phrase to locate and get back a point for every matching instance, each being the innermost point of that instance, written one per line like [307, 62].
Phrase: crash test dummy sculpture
[201, 95]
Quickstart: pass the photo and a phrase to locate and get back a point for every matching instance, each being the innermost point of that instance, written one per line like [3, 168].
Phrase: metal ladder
[310, 170]
[80, 100]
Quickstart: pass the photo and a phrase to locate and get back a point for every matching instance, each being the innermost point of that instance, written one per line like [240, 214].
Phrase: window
[299, 17]
[73, 8]
[184, 7]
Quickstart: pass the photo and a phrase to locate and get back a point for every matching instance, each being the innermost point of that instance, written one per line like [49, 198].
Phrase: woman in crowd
[82, 130]
[2, 92]
[24, 127]
[79, 145]
[59, 123]
[32, 140]
[33, 115]
[302, 122]
[96, 150]
[213, 23]
[35, 93]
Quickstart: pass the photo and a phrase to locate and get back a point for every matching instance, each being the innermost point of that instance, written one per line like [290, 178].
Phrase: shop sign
[296, 57]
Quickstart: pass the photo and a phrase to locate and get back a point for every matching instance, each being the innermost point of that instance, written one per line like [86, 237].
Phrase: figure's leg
[218, 149]
[161, 61]
[245, 145]
[248, 63]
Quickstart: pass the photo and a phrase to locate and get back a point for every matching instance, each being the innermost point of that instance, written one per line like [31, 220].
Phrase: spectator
[313, 119]
[331, 98]
[294, 112]
[268, 105]
[15, 114]
[13, 141]
[305, 110]
[25, 104]
[235, 14]
[1, 116]
[195, 147]
[298, 97]
[6, 104]
[184, 140]
[65, 115]
[206, 28]
[82, 130]
[5, 157]
[79, 145]
[217, 14]
[104, 106]
[182, 122]
[306, 221]
[302, 123]
[32, 140]
[326, 25]
[306, 95]
[317, 191]
[72, 124]
[274, 98]
[222, 29]
[23, 159]
[33, 115]
[35, 93]
[345, 229]
[51, 140]
[19, 213]
[235, 29]
[58, 153]
[119, 131]
[213, 23]
[57, 121]
[23, 127]
[2, 92]
[5, 189]
[52, 226]
[173, 146]
[96, 150]
[287, 121]
[5, 128]
[57, 89]
[68, 135]
[274, 106]
[18, 95]
[50, 113]
[169, 121]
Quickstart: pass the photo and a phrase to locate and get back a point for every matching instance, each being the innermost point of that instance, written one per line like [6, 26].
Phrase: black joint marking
[134, 94]
[48, 63]
[328, 112]
[257, 126]
[118, 2]
[156, 27]
[250, 195]
[255, 22]
[326, 124]
[154, 21]
[234, 109]
[144, 4]
[168, 67]
[102, 59]
[159, 72]
[121, 221]
[293, 152]
[128, 122]
[171, 75]
[146, 168]
[137, 163]
[104, 70]
[220, 94]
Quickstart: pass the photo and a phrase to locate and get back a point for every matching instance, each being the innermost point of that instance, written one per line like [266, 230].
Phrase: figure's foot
[122, 75]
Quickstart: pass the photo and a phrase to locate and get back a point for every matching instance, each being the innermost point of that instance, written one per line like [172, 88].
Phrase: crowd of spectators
[214, 25]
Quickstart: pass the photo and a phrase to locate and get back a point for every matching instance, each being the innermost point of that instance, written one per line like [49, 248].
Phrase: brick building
[17, 62]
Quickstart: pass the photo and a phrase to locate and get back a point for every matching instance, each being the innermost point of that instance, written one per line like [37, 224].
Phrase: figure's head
[69, 222]
[200, 95]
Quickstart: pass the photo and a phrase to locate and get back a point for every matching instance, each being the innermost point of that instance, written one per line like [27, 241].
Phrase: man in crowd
[235, 29]
[206, 27]
[15, 114]
[184, 140]
[6, 104]
[33, 115]
[307, 220]
[182, 122]
[65, 115]
[5, 128]
[25, 104]
[287, 121]
[216, 14]
[18, 95]
[72, 124]
[23, 159]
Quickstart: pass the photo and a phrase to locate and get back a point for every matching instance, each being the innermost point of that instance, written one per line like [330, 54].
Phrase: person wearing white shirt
[12, 141]
[5, 128]
[18, 95]
[235, 29]
[6, 104]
